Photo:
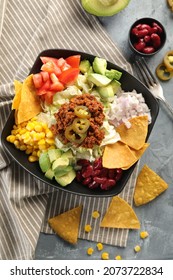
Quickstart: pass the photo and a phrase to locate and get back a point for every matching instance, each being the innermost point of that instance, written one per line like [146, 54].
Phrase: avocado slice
[99, 65]
[84, 66]
[98, 79]
[54, 154]
[60, 164]
[109, 90]
[44, 162]
[62, 172]
[104, 7]
[66, 179]
[113, 74]
[49, 174]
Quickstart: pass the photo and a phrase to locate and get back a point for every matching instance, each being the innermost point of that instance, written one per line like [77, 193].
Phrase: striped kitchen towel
[27, 28]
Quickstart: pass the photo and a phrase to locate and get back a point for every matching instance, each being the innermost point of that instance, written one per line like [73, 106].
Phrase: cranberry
[155, 38]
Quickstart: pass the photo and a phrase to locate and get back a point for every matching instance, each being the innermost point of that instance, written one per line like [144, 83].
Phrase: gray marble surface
[157, 216]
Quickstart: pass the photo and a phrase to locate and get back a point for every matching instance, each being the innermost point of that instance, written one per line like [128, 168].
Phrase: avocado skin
[95, 7]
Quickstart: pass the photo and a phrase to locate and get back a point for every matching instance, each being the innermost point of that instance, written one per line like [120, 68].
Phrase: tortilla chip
[134, 136]
[29, 105]
[120, 215]
[66, 225]
[148, 186]
[17, 96]
[117, 155]
[138, 154]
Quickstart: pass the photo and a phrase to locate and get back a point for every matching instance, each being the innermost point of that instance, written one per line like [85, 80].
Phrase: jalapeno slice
[168, 60]
[80, 125]
[82, 112]
[163, 73]
[74, 137]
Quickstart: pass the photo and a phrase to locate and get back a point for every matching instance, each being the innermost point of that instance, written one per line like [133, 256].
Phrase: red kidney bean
[87, 181]
[93, 185]
[159, 29]
[142, 33]
[139, 46]
[87, 171]
[146, 26]
[153, 30]
[135, 31]
[97, 164]
[108, 184]
[147, 39]
[139, 26]
[148, 50]
[111, 173]
[155, 40]
[119, 173]
[100, 180]
[96, 172]
[83, 162]
[79, 177]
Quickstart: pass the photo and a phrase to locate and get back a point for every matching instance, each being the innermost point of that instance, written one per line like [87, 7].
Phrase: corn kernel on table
[157, 216]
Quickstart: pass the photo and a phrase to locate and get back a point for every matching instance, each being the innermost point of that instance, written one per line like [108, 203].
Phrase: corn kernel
[34, 153]
[11, 138]
[90, 251]
[49, 134]
[22, 147]
[95, 214]
[99, 246]
[44, 126]
[42, 147]
[38, 128]
[50, 141]
[28, 151]
[137, 248]
[30, 126]
[22, 131]
[16, 143]
[105, 256]
[87, 228]
[118, 257]
[42, 134]
[143, 234]
[32, 158]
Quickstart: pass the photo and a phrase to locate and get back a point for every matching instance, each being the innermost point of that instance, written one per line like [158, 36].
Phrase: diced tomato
[54, 78]
[37, 79]
[45, 75]
[46, 59]
[73, 61]
[69, 76]
[57, 86]
[44, 88]
[61, 62]
[51, 67]
[48, 97]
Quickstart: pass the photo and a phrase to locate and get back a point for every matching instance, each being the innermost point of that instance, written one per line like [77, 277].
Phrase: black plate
[128, 82]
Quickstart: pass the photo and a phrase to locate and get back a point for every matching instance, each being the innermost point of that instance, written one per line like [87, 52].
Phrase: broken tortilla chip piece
[66, 225]
[138, 154]
[17, 96]
[117, 155]
[29, 105]
[148, 186]
[134, 136]
[120, 215]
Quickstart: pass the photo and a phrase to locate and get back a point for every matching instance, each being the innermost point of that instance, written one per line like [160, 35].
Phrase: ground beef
[65, 116]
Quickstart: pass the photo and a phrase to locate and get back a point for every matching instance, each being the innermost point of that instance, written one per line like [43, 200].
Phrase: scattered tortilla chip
[120, 215]
[134, 136]
[148, 186]
[29, 105]
[138, 154]
[17, 96]
[66, 225]
[117, 155]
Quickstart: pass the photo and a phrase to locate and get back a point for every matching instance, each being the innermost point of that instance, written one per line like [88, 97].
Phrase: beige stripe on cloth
[28, 28]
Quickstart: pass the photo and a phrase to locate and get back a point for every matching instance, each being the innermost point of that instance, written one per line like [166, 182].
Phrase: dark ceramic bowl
[141, 42]
[128, 82]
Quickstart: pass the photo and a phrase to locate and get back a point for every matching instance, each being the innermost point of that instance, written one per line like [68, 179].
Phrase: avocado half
[104, 7]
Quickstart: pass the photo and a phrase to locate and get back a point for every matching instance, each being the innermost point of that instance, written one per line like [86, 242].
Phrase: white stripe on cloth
[28, 28]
